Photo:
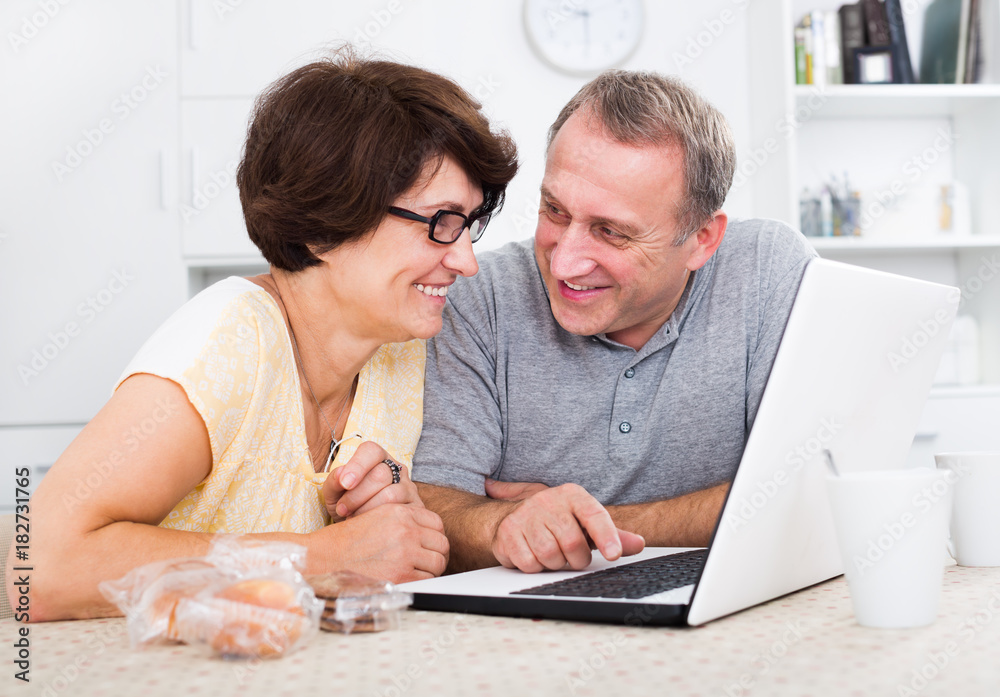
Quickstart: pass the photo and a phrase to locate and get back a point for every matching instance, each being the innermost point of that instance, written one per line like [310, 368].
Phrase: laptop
[852, 373]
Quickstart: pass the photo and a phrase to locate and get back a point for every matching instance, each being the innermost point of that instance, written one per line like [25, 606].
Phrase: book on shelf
[831, 35]
[819, 61]
[957, 42]
[852, 35]
[876, 23]
[902, 66]
[960, 43]
[817, 41]
[803, 71]
[939, 57]
[963, 40]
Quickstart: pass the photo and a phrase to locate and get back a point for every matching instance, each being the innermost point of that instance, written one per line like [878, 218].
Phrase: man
[599, 389]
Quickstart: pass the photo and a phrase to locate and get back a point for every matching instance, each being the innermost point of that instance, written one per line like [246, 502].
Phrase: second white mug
[975, 516]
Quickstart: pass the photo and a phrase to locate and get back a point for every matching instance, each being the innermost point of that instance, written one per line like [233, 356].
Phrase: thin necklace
[334, 444]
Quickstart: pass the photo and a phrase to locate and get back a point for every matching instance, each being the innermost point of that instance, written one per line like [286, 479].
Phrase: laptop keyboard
[636, 580]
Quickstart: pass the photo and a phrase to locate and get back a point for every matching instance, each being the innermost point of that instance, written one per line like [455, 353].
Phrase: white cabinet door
[212, 134]
[236, 48]
[34, 449]
[956, 423]
[89, 255]
[231, 48]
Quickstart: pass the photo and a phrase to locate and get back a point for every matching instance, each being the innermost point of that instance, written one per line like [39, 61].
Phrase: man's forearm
[470, 522]
[685, 521]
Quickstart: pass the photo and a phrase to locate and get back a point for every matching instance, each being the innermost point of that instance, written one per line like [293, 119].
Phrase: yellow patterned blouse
[229, 350]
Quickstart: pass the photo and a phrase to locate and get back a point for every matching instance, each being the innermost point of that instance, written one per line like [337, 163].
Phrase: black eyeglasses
[446, 226]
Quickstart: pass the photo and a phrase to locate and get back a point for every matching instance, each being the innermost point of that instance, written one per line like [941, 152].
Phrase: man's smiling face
[606, 230]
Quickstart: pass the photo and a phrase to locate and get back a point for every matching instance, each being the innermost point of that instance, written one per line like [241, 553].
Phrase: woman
[364, 184]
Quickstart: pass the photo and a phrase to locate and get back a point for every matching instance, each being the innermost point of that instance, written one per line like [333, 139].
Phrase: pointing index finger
[597, 523]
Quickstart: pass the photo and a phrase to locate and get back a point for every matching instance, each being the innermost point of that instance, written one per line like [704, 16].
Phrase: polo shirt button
[630, 372]
[625, 427]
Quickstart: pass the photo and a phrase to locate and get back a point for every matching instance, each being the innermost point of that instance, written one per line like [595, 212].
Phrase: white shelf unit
[872, 131]
[897, 101]
[928, 244]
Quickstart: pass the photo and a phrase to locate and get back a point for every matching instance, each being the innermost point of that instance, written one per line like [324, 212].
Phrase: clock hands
[583, 36]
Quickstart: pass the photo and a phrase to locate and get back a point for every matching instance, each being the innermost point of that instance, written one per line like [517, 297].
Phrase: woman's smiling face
[397, 276]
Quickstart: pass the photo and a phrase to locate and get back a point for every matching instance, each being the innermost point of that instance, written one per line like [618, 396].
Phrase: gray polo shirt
[511, 395]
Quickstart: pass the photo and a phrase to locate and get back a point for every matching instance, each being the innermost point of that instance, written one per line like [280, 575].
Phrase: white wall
[61, 69]
[483, 46]
[528, 94]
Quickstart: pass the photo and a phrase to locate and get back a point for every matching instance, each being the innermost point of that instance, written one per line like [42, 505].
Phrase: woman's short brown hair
[332, 145]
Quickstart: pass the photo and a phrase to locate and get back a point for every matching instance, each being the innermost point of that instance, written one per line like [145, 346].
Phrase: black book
[876, 23]
[852, 35]
[902, 68]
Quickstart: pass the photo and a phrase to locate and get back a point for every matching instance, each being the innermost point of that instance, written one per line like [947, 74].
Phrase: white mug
[891, 529]
[975, 516]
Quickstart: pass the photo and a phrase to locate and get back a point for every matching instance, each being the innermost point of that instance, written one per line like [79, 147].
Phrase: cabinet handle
[163, 179]
[926, 435]
[194, 176]
[192, 26]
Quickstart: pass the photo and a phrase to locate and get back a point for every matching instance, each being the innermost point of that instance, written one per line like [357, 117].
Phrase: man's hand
[365, 483]
[555, 527]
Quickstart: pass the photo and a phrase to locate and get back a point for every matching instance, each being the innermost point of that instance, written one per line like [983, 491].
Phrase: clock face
[583, 36]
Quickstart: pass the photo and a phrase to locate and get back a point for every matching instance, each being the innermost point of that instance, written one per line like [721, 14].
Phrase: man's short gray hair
[638, 107]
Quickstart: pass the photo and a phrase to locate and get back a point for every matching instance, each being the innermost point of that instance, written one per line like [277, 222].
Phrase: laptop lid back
[852, 373]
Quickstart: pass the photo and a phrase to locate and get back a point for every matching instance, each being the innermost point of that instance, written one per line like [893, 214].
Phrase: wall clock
[583, 36]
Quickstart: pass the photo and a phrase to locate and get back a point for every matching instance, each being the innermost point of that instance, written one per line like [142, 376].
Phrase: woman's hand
[365, 483]
[391, 542]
